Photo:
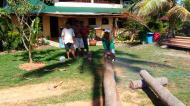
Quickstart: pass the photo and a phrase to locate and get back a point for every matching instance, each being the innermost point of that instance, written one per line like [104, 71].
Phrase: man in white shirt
[68, 38]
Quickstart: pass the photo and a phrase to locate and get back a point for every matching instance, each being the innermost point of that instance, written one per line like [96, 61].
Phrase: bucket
[149, 38]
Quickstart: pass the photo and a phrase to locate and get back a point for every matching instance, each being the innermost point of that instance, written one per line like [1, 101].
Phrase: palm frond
[179, 12]
[147, 7]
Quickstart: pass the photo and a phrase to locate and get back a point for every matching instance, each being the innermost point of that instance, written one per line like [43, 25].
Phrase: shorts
[79, 43]
[69, 46]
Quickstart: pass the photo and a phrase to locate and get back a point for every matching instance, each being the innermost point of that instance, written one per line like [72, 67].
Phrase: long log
[138, 84]
[163, 93]
[110, 92]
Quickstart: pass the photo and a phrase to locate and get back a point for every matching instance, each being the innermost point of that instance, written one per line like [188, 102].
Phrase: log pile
[181, 42]
[156, 84]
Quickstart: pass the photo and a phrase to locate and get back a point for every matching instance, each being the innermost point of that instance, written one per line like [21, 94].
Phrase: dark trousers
[85, 41]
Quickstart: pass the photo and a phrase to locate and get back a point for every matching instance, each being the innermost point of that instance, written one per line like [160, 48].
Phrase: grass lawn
[173, 64]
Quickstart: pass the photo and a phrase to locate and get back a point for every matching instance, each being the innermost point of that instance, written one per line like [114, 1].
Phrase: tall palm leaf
[146, 7]
[179, 12]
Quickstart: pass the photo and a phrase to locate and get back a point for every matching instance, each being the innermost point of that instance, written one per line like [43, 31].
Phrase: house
[94, 13]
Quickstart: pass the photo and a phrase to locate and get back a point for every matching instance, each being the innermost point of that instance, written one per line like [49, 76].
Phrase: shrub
[9, 36]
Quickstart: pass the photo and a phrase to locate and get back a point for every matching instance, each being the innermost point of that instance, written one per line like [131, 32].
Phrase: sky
[179, 1]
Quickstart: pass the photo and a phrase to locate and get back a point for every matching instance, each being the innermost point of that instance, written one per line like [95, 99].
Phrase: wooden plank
[163, 93]
[138, 84]
[177, 45]
[182, 37]
[185, 40]
[179, 42]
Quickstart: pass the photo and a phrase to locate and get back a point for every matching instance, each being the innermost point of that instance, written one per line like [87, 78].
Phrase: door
[54, 27]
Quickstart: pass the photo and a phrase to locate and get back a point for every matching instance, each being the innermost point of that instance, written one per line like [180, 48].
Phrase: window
[3, 3]
[105, 21]
[92, 21]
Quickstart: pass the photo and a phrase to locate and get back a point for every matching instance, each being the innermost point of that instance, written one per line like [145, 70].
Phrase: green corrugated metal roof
[75, 10]
[56, 9]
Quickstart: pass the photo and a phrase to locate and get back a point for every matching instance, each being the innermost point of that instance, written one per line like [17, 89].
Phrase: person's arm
[73, 35]
[63, 34]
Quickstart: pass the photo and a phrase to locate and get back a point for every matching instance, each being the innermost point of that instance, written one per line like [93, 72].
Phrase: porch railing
[95, 1]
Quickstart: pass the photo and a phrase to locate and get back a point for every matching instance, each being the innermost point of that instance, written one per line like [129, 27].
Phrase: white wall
[95, 5]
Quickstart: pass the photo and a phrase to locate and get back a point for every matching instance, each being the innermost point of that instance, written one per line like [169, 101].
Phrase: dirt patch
[127, 98]
[24, 94]
[31, 66]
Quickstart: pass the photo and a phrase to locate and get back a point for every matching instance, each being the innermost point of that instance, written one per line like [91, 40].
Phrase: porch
[53, 23]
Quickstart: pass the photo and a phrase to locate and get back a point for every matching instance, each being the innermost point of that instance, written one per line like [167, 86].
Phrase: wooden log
[138, 84]
[163, 93]
[110, 92]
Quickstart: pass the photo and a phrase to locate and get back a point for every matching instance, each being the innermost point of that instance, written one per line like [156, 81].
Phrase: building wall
[95, 5]
[63, 20]
[46, 26]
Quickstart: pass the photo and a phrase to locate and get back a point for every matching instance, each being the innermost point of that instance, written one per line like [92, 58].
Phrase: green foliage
[157, 26]
[132, 25]
[2, 12]
[122, 37]
[36, 29]
[92, 33]
[131, 29]
[22, 7]
[9, 36]
[23, 10]
[187, 4]
[48, 2]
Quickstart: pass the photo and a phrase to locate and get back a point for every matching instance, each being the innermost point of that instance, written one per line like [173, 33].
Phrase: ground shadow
[126, 54]
[155, 100]
[94, 66]
[47, 69]
[42, 55]
[126, 62]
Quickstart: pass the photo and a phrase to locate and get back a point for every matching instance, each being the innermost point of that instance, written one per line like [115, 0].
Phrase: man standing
[68, 36]
[84, 33]
[79, 45]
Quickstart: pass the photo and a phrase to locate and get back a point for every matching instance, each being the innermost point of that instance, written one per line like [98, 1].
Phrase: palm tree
[174, 11]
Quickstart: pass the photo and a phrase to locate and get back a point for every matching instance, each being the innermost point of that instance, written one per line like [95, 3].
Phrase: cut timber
[138, 84]
[163, 93]
[111, 96]
[180, 42]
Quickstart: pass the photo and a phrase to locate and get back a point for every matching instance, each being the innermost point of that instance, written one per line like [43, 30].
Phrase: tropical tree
[28, 23]
[146, 8]
[187, 4]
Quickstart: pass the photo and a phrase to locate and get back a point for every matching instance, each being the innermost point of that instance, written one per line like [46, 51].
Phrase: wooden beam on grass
[110, 91]
[163, 93]
[138, 84]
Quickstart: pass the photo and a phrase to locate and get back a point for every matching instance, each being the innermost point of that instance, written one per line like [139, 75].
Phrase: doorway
[54, 28]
